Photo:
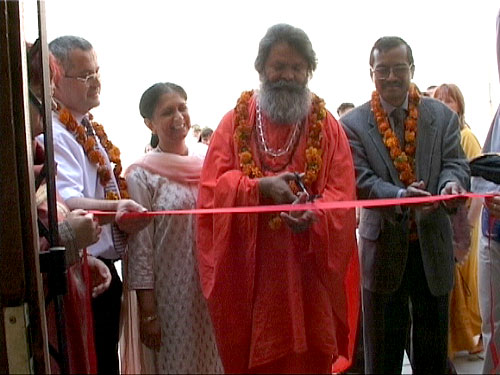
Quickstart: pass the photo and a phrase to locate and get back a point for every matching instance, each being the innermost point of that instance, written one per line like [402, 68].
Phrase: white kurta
[161, 257]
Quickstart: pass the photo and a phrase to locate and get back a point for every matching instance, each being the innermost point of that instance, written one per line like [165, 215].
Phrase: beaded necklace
[243, 134]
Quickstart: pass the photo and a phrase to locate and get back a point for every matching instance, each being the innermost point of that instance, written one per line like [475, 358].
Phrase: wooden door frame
[20, 278]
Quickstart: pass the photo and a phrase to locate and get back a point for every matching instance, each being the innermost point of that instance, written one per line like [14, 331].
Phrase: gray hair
[62, 46]
[294, 36]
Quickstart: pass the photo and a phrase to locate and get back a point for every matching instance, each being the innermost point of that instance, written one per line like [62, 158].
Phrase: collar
[58, 105]
[388, 108]
[78, 117]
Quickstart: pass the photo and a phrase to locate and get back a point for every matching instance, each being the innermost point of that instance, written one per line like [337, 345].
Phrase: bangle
[149, 318]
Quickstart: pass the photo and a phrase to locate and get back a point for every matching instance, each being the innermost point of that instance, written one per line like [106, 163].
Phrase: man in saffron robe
[282, 288]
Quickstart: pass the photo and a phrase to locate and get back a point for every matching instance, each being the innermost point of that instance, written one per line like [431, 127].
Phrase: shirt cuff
[67, 237]
[400, 194]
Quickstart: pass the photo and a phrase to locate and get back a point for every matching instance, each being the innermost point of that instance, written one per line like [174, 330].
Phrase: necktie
[398, 116]
[88, 126]
[119, 238]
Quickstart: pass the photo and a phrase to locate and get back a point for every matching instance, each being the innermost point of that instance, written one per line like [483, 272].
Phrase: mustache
[284, 85]
[393, 84]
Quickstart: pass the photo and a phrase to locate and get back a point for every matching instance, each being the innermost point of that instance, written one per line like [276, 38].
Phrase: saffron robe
[274, 292]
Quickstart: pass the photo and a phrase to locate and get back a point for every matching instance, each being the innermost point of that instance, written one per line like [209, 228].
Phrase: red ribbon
[368, 203]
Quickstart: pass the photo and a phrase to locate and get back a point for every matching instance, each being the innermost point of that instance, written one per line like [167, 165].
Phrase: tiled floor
[468, 364]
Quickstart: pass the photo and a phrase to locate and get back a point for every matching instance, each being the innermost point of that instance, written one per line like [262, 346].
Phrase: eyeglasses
[87, 79]
[383, 72]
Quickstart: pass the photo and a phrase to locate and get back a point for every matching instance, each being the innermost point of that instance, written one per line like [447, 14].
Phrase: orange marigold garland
[88, 143]
[243, 134]
[404, 161]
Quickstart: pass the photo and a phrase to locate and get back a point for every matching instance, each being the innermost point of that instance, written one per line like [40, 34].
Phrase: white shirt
[77, 178]
[388, 108]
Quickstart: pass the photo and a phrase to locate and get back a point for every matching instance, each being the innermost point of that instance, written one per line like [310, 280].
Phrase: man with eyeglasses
[86, 179]
[405, 145]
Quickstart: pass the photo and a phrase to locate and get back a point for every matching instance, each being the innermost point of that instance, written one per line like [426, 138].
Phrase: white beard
[284, 102]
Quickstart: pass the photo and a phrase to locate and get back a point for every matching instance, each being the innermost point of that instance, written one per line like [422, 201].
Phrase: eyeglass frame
[393, 70]
[86, 80]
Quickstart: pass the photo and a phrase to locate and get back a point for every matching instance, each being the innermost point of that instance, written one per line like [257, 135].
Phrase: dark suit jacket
[383, 232]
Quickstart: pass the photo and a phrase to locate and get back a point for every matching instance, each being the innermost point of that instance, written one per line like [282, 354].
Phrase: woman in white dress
[173, 318]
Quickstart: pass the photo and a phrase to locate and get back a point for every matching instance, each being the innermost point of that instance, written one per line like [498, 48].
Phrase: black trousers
[386, 320]
[106, 309]
[358, 361]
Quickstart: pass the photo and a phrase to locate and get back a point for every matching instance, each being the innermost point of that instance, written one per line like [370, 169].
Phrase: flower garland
[404, 161]
[88, 142]
[243, 135]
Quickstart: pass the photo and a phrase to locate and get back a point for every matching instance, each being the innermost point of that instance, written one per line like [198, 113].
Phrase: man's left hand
[299, 221]
[130, 224]
[453, 188]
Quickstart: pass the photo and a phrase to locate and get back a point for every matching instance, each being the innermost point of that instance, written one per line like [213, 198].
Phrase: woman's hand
[150, 332]
[150, 329]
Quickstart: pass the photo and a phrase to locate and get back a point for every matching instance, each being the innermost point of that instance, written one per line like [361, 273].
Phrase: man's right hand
[417, 189]
[277, 188]
[86, 229]
[130, 225]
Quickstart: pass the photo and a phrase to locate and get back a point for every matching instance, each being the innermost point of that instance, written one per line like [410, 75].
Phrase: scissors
[300, 184]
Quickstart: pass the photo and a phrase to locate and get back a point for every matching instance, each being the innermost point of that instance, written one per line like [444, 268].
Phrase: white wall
[209, 48]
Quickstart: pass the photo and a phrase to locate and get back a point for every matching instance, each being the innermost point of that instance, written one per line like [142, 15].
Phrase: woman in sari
[174, 324]
[465, 320]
